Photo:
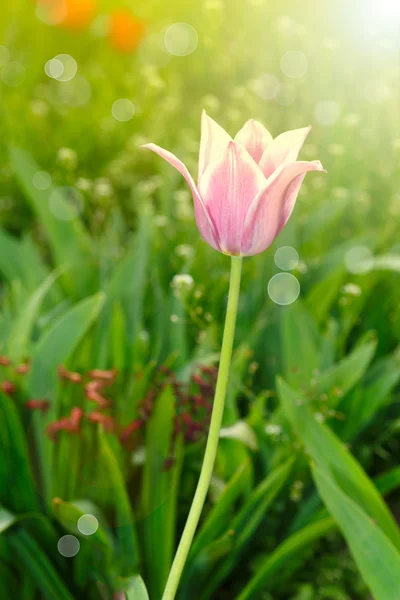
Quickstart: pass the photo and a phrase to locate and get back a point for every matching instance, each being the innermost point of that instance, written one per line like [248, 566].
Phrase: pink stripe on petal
[255, 138]
[204, 221]
[284, 149]
[270, 213]
[229, 188]
[214, 141]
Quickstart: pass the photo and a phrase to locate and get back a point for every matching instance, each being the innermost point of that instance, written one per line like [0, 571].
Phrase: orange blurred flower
[73, 14]
[126, 31]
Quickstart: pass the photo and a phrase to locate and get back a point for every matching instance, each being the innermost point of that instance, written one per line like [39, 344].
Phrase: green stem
[213, 435]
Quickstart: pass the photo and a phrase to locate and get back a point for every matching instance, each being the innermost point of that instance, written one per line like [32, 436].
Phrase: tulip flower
[247, 186]
[246, 191]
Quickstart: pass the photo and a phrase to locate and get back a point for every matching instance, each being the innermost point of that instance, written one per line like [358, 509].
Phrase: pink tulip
[247, 186]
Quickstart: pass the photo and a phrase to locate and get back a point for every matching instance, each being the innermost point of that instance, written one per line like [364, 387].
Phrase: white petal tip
[319, 167]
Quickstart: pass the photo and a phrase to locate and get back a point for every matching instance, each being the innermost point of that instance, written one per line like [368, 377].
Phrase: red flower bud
[103, 375]
[71, 376]
[23, 368]
[105, 420]
[42, 405]
[8, 387]
[130, 429]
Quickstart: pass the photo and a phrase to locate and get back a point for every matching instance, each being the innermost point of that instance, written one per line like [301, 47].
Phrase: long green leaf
[67, 237]
[127, 548]
[39, 566]
[283, 557]
[57, 344]
[54, 348]
[20, 334]
[218, 518]
[137, 589]
[300, 359]
[157, 529]
[21, 496]
[376, 556]
[245, 524]
[334, 458]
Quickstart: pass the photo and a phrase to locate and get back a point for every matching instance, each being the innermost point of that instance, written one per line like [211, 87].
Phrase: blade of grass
[376, 556]
[334, 458]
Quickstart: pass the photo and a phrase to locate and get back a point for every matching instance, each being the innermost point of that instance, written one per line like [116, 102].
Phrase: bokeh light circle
[68, 546]
[88, 524]
[181, 39]
[286, 258]
[285, 94]
[70, 67]
[52, 13]
[66, 203]
[283, 288]
[13, 74]
[327, 112]
[41, 180]
[54, 68]
[294, 64]
[4, 55]
[359, 260]
[123, 110]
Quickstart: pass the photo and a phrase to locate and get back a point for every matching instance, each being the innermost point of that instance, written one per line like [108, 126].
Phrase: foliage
[109, 356]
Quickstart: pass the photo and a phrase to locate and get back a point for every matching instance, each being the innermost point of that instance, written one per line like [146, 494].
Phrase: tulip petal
[204, 221]
[284, 149]
[269, 213]
[214, 141]
[229, 188]
[255, 138]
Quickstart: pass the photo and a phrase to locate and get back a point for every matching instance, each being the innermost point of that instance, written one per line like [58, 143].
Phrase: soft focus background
[112, 306]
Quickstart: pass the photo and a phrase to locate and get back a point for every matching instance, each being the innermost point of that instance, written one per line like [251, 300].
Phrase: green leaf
[18, 344]
[129, 280]
[137, 589]
[158, 525]
[7, 519]
[324, 293]
[285, 558]
[68, 515]
[299, 359]
[35, 561]
[376, 556]
[334, 458]
[361, 406]
[67, 237]
[244, 525]
[218, 518]
[58, 343]
[10, 259]
[206, 561]
[389, 481]
[53, 349]
[127, 543]
[127, 288]
[21, 495]
[346, 373]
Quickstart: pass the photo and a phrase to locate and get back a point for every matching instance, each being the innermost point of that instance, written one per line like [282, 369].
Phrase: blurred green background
[102, 267]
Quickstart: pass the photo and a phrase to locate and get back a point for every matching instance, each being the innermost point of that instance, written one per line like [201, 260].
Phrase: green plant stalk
[213, 435]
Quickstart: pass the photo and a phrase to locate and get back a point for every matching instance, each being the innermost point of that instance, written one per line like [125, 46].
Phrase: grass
[90, 272]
